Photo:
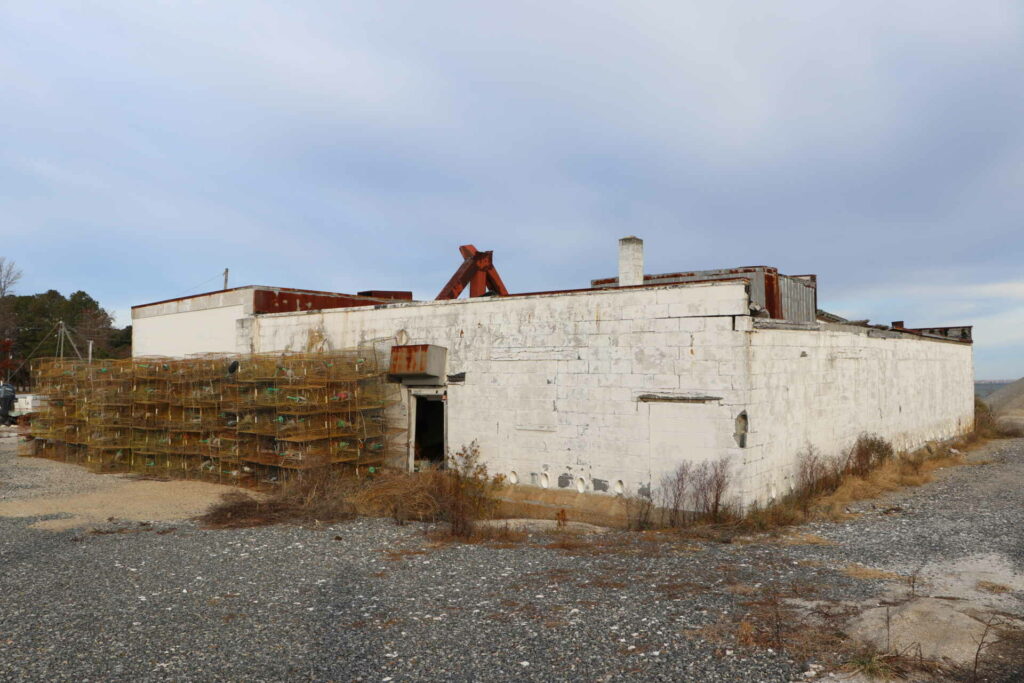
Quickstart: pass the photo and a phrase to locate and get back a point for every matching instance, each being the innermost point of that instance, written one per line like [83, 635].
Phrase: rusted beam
[772, 293]
[477, 271]
[458, 281]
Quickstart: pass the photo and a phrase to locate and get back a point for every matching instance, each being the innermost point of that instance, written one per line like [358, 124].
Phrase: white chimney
[631, 261]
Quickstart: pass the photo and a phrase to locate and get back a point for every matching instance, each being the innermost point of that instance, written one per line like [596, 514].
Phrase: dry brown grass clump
[500, 536]
[403, 496]
[318, 495]
[696, 497]
[991, 587]
[824, 486]
[858, 571]
[459, 495]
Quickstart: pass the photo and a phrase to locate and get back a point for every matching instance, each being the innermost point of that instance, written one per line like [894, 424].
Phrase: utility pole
[225, 278]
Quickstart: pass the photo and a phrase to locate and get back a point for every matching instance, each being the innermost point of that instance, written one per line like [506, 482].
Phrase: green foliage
[28, 319]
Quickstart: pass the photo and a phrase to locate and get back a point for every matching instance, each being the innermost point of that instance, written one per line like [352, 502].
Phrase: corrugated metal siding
[797, 294]
[799, 298]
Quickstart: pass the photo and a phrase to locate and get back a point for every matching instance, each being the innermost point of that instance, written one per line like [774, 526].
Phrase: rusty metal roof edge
[560, 292]
[266, 288]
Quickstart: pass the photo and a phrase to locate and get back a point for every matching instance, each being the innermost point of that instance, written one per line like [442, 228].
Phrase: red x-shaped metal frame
[477, 271]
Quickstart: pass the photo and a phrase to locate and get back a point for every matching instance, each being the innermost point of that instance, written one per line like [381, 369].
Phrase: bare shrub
[467, 493]
[675, 495]
[870, 451]
[710, 483]
[639, 512]
[816, 474]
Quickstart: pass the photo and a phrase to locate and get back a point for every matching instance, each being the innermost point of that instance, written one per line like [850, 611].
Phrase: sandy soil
[72, 497]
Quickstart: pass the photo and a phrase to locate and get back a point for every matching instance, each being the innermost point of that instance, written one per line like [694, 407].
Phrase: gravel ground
[369, 600]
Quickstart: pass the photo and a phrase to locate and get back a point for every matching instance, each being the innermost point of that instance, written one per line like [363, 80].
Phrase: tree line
[28, 323]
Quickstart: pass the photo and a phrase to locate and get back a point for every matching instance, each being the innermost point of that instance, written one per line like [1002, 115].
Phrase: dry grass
[825, 487]
[403, 496]
[745, 634]
[769, 621]
[319, 495]
[985, 426]
[990, 587]
[858, 571]
[876, 665]
[568, 542]
[459, 495]
[502, 536]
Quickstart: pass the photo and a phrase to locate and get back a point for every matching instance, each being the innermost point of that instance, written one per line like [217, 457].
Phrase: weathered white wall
[824, 387]
[557, 386]
[202, 324]
[553, 382]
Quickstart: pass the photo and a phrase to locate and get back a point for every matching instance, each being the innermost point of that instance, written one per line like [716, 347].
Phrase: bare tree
[9, 276]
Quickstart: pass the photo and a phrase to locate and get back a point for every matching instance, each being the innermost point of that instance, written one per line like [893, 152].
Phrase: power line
[215, 277]
[29, 356]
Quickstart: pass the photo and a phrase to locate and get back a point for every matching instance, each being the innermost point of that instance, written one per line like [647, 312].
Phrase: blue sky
[355, 145]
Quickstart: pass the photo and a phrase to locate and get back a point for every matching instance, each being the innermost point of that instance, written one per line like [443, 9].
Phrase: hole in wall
[513, 477]
[545, 481]
[620, 488]
[581, 485]
[742, 426]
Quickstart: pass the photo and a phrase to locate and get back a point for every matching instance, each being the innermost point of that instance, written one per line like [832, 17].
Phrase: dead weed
[859, 571]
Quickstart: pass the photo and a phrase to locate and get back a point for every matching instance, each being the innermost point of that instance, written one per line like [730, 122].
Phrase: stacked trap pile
[240, 418]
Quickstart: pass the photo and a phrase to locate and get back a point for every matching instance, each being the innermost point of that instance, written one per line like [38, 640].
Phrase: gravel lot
[369, 600]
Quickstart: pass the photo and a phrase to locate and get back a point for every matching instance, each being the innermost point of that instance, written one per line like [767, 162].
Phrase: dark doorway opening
[429, 441]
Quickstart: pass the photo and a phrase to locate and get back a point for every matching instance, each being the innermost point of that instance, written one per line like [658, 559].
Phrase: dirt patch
[123, 498]
[936, 629]
[989, 580]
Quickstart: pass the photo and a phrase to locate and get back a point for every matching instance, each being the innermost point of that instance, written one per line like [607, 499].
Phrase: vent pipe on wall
[631, 261]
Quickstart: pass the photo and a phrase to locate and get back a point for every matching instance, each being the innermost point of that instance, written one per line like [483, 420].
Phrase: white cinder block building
[606, 389]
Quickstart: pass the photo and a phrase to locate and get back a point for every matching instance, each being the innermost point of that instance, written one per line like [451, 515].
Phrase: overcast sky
[343, 146]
